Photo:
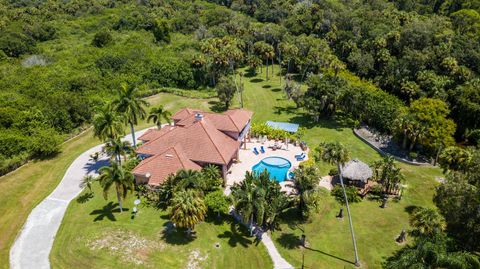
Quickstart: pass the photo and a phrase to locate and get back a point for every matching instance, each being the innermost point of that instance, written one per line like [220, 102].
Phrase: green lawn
[329, 238]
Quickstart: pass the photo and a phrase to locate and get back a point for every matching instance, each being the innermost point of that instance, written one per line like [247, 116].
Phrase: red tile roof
[162, 165]
[195, 142]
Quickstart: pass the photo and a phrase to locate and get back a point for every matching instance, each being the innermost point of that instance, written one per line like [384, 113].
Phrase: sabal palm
[336, 154]
[107, 123]
[158, 114]
[189, 179]
[131, 106]
[187, 209]
[427, 221]
[117, 148]
[116, 176]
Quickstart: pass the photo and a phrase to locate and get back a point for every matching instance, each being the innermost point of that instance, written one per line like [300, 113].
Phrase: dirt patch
[127, 245]
[195, 259]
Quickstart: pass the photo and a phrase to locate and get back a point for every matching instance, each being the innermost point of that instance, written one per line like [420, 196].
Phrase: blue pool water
[276, 166]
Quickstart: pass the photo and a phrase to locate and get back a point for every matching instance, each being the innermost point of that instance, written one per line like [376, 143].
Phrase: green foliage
[226, 90]
[172, 72]
[44, 143]
[217, 202]
[306, 183]
[351, 191]
[323, 93]
[15, 44]
[260, 129]
[102, 39]
[161, 31]
[187, 209]
[427, 222]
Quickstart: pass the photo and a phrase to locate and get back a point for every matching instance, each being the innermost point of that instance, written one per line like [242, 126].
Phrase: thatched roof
[357, 170]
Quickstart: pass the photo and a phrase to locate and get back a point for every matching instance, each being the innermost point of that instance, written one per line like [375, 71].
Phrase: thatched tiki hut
[357, 173]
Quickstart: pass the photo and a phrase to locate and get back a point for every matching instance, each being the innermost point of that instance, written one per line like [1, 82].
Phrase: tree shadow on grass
[107, 212]
[217, 106]
[330, 255]
[85, 197]
[410, 208]
[256, 80]
[276, 90]
[266, 86]
[236, 236]
[289, 241]
[175, 236]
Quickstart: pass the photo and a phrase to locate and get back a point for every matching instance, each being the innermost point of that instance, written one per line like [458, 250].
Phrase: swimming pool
[277, 167]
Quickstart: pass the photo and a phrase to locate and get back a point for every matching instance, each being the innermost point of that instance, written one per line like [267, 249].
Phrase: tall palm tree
[131, 106]
[337, 154]
[107, 123]
[115, 176]
[117, 148]
[427, 221]
[249, 200]
[187, 209]
[158, 114]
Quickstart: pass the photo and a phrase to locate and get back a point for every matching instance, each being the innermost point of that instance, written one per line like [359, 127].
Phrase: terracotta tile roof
[201, 142]
[163, 164]
[233, 120]
[152, 134]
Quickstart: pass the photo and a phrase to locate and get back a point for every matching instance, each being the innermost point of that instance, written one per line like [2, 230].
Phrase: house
[195, 139]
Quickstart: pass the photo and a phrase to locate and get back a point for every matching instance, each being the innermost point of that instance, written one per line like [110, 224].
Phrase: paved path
[31, 248]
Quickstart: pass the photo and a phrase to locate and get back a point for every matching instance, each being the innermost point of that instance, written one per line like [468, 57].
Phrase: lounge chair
[262, 150]
[255, 151]
[301, 157]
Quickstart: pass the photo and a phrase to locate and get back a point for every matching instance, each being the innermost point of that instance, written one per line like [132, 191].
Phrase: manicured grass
[24, 188]
[329, 238]
[95, 223]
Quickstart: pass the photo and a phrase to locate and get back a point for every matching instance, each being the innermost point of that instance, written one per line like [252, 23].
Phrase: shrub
[173, 72]
[12, 143]
[333, 172]
[15, 44]
[161, 31]
[217, 202]
[102, 38]
[413, 155]
[44, 143]
[351, 191]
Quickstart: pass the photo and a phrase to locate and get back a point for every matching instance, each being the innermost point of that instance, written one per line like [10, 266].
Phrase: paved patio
[248, 159]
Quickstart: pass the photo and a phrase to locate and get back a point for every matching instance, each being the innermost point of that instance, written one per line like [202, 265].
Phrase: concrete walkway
[31, 248]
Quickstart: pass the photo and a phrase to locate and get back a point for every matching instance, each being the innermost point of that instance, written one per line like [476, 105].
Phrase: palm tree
[157, 114]
[87, 182]
[107, 123]
[117, 148]
[131, 106]
[115, 175]
[427, 221]
[337, 154]
[249, 200]
[306, 183]
[187, 209]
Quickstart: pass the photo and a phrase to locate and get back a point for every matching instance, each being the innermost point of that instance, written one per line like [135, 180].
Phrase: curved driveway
[31, 248]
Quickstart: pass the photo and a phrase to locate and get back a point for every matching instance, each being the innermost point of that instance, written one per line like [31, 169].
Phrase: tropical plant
[306, 183]
[187, 209]
[87, 182]
[226, 90]
[158, 114]
[131, 106]
[352, 194]
[217, 202]
[427, 221]
[122, 180]
[117, 148]
[107, 123]
[336, 154]
[212, 178]
[388, 174]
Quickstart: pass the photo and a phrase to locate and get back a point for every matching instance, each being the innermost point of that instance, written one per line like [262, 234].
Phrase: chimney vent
[198, 117]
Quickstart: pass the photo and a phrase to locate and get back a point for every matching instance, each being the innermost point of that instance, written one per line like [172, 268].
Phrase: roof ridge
[209, 137]
[178, 155]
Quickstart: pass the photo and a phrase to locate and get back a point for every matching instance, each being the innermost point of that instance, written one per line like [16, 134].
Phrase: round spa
[277, 167]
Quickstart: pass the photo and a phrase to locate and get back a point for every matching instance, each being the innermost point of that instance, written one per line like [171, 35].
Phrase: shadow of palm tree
[330, 255]
[235, 237]
[175, 236]
[92, 166]
[289, 241]
[107, 212]
[256, 80]
[85, 197]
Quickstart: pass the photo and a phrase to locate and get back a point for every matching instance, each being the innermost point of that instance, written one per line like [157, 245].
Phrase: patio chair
[262, 150]
[299, 155]
[255, 151]
[301, 158]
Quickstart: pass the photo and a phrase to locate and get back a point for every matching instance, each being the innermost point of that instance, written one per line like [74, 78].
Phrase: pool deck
[248, 159]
